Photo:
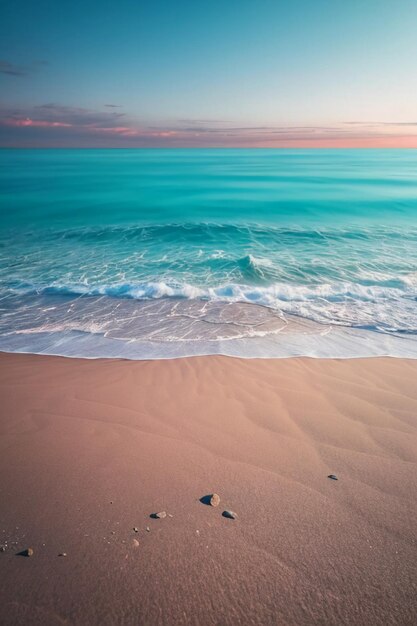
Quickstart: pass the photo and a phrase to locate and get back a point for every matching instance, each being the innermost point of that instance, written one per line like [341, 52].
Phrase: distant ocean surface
[164, 253]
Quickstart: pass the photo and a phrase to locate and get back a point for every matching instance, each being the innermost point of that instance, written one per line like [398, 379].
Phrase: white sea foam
[168, 327]
[340, 343]
[389, 306]
[284, 292]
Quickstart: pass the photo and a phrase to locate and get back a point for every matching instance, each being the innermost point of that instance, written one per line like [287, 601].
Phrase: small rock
[135, 543]
[27, 552]
[148, 530]
[2, 548]
[112, 532]
[214, 500]
[62, 554]
[159, 515]
[333, 477]
[229, 514]
[170, 515]
[135, 530]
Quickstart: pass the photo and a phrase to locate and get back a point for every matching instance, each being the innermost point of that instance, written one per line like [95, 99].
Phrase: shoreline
[300, 338]
[220, 355]
[90, 449]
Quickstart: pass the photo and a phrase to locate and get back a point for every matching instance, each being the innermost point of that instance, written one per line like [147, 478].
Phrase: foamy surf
[103, 327]
[256, 253]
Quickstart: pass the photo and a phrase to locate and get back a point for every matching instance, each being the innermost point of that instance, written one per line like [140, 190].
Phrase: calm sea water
[161, 253]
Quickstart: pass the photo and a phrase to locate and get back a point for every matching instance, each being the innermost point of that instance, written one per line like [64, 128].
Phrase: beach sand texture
[90, 449]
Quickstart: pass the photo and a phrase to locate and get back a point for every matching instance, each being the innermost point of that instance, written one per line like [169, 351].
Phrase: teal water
[152, 253]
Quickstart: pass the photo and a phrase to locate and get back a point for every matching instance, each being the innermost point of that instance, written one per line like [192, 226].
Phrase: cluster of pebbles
[212, 499]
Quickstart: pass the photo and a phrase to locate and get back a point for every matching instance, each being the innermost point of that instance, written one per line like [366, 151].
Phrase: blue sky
[305, 72]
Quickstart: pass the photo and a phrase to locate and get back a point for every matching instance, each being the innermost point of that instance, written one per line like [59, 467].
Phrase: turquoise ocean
[165, 253]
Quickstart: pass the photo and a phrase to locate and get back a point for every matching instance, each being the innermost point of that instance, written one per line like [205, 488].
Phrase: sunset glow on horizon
[264, 74]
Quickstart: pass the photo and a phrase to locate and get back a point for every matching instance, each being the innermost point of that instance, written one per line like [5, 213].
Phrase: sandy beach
[90, 449]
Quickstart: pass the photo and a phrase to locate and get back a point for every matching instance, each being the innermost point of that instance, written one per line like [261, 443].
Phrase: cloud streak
[17, 123]
[11, 69]
[56, 125]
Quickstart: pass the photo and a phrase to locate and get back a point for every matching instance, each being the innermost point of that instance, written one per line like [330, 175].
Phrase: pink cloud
[96, 128]
[35, 123]
[388, 141]
[166, 133]
[125, 131]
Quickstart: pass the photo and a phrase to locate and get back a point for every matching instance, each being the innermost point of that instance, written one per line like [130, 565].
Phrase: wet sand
[90, 449]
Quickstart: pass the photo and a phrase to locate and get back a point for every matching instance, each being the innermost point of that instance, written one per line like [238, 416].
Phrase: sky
[187, 73]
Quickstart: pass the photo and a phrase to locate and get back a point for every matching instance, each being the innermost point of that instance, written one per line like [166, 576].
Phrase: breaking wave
[388, 307]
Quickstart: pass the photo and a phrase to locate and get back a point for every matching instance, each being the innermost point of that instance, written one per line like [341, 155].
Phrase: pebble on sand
[62, 554]
[148, 530]
[135, 543]
[135, 530]
[214, 499]
[229, 514]
[2, 548]
[159, 515]
[333, 477]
